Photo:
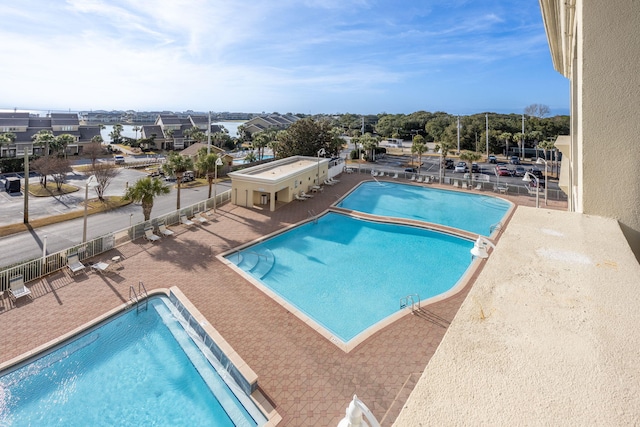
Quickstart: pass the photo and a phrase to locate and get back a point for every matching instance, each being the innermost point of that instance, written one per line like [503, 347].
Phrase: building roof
[278, 170]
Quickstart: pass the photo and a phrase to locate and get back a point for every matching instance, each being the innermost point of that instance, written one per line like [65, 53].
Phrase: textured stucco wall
[609, 110]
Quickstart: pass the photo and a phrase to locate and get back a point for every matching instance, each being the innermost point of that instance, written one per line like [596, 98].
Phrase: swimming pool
[348, 274]
[135, 369]
[471, 212]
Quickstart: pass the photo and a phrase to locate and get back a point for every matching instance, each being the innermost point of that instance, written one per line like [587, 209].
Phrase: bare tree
[537, 110]
[59, 169]
[104, 173]
[42, 166]
[93, 150]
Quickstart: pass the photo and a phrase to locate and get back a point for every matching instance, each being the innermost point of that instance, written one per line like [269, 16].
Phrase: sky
[286, 56]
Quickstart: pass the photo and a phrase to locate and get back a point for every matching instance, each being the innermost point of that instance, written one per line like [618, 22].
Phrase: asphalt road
[29, 245]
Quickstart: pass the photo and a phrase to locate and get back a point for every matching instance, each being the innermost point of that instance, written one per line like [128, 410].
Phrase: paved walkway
[309, 379]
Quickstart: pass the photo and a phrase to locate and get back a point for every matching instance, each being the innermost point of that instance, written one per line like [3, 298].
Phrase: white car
[461, 167]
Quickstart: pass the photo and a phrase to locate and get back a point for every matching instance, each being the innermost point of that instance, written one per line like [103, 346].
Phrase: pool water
[348, 274]
[472, 212]
[136, 369]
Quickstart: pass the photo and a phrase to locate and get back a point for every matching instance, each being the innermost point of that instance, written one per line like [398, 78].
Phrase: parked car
[475, 168]
[514, 160]
[448, 164]
[493, 159]
[188, 176]
[461, 167]
[519, 171]
[502, 171]
[119, 160]
[537, 173]
[413, 170]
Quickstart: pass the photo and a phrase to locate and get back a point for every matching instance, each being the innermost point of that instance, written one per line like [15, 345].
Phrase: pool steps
[258, 264]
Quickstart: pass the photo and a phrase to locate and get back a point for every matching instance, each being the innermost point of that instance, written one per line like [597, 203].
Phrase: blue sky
[300, 56]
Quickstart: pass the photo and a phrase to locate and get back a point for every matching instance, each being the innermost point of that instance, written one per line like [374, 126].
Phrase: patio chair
[327, 182]
[299, 197]
[17, 289]
[464, 185]
[413, 178]
[305, 195]
[479, 187]
[186, 221]
[419, 179]
[164, 231]
[148, 235]
[102, 267]
[335, 181]
[456, 184]
[395, 176]
[74, 264]
[201, 219]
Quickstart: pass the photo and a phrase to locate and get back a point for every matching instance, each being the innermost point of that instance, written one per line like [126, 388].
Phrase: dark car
[537, 173]
[514, 160]
[413, 170]
[519, 171]
[493, 159]
[475, 168]
[448, 164]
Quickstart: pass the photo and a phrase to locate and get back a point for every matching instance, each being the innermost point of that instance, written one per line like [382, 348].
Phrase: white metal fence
[42, 266]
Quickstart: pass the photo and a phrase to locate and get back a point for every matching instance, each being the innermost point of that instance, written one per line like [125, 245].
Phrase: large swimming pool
[348, 274]
[136, 369]
[471, 212]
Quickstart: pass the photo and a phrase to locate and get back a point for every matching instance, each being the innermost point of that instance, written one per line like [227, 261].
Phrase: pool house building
[279, 182]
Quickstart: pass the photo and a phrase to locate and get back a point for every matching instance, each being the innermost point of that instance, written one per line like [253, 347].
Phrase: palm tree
[7, 138]
[61, 142]
[177, 165]
[470, 157]
[206, 165]
[418, 147]
[144, 191]
[43, 137]
[506, 136]
[136, 129]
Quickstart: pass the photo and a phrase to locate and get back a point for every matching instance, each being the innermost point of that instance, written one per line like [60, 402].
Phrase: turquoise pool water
[466, 211]
[136, 369]
[348, 274]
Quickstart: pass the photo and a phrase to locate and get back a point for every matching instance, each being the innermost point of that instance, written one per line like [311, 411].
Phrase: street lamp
[321, 152]
[215, 183]
[528, 177]
[91, 181]
[541, 161]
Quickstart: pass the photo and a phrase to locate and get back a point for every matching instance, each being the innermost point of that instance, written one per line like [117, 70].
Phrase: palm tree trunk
[179, 178]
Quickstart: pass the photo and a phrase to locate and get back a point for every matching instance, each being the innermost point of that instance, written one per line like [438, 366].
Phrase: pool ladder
[412, 300]
[497, 226]
[313, 216]
[136, 297]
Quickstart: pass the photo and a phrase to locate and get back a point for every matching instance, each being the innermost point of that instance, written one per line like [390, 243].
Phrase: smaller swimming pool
[471, 212]
[135, 369]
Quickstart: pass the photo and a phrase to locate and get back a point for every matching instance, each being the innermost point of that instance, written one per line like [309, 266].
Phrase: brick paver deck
[309, 380]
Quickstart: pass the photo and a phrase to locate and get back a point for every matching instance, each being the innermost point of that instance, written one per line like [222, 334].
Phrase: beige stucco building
[277, 182]
[596, 45]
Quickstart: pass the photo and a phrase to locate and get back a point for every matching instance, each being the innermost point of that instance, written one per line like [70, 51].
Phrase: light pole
[215, 182]
[541, 161]
[528, 177]
[89, 181]
[320, 153]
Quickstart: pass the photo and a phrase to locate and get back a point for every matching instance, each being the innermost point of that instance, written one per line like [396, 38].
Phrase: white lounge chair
[102, 267]
[74, 264]
[201, 218]
[395, 176]
[336, 181]
[164, 231]
[419, 179]
[456, 184]
[413, 178]
[17, 289]
[327, 182]
[148, 235]
[299, 197]
[186, 221]
[305, 195]
[479, 187]
[464, 185]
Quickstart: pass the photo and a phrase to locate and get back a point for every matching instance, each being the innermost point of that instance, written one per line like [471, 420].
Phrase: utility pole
[25, 217]
[209, 135]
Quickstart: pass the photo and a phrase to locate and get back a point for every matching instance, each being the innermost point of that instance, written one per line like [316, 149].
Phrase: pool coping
[241, 372]
[464, 280]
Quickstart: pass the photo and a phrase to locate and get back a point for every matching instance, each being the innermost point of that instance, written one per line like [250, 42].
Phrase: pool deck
[308, 379]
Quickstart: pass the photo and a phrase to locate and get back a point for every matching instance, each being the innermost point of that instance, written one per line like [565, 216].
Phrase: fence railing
[483, 180]
[42, 266]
